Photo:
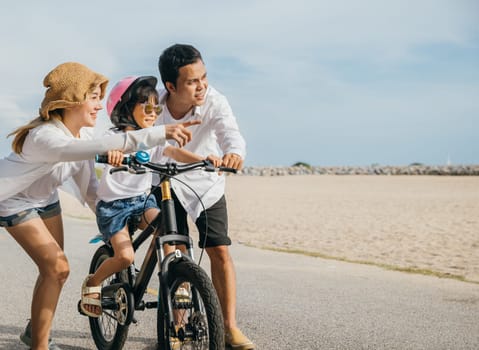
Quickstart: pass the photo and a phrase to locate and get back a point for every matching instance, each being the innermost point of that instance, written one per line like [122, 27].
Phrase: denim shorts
[23, 216]
[113, 216]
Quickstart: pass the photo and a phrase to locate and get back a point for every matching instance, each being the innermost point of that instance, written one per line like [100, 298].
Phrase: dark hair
[175, 57]
[139, 94]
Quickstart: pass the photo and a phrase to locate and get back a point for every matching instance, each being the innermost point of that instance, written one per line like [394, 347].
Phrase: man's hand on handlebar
[179, 132]
[232, 160]
[216, 161]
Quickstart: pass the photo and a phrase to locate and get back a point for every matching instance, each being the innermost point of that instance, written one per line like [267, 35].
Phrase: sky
[328, 83]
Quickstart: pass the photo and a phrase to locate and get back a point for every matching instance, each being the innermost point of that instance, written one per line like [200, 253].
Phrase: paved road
[285, 302]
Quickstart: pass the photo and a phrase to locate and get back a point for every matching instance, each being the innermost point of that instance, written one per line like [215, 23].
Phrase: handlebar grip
[211, 168]
[227, 170]
[103, 158]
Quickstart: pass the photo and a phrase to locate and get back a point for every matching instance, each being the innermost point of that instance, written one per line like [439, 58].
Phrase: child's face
[146, 113]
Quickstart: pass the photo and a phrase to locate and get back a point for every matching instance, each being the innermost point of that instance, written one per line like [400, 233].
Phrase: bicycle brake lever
[136, 170]
[210, 168]
[115, 170]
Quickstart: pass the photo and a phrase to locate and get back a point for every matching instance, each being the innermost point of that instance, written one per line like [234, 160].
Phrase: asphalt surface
[285, 301]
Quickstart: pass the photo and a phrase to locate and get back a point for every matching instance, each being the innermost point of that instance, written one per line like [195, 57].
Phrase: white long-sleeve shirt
[217, 134]
[122, 184]
[51, 156]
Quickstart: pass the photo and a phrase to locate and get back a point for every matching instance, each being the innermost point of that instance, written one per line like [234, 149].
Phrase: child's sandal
[85, 290]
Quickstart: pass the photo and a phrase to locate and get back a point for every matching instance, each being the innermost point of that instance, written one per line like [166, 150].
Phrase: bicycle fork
[170, 236]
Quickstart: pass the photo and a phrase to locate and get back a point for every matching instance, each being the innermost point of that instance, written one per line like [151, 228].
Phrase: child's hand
[215, 160]
[115, 157]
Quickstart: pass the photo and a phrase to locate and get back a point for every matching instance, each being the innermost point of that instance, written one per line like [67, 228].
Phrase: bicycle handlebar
[140, 160]
[103, 158]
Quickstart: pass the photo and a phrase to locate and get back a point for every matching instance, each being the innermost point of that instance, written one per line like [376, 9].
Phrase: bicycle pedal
[151, 305]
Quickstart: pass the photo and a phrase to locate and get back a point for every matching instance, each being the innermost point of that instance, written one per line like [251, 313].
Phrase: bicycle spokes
[197, 321]
[110, 330]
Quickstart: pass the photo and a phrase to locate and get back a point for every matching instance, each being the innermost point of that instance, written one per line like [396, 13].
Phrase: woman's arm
[51, 145]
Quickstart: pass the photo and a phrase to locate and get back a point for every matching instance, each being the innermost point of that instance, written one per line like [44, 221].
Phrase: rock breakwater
[446, 170]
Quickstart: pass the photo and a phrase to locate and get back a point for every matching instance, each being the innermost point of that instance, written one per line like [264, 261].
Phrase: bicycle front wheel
[198, 321]
[109, 331]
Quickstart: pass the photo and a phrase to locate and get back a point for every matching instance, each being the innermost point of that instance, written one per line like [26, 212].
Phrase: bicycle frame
[125, 292]
[164, 231]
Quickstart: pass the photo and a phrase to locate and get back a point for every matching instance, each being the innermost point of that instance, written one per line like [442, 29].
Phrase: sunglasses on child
[148, 108]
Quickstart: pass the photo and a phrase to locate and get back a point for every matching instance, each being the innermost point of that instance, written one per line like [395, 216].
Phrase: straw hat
[67, 85]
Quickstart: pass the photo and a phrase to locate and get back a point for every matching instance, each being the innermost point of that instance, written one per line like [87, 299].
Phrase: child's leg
[148, 217]
[122, 258]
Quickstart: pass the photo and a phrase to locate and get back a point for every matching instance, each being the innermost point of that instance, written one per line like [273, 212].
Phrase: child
[132, 105]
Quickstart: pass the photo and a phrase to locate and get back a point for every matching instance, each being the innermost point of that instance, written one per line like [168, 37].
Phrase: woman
[54, 149]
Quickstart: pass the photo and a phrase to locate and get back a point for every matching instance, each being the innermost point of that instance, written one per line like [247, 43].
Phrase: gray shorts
[23, 216]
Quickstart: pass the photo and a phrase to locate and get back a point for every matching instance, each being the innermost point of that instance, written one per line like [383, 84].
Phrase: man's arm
[230, 139]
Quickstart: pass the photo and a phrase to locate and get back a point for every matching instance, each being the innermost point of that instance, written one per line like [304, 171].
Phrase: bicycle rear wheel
[109, 331]
[198, 318]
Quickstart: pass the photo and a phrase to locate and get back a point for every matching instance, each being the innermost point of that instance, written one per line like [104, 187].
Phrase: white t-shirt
[123, 184]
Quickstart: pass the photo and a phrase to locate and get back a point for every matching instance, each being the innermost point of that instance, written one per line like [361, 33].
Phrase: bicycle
[191, 322]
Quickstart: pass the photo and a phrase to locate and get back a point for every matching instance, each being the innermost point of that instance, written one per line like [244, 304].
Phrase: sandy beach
[428, 223]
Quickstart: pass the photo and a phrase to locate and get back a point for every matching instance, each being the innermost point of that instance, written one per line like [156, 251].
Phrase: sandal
[85, 290]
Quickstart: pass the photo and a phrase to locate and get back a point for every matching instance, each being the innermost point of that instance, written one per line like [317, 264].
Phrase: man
[187, 96]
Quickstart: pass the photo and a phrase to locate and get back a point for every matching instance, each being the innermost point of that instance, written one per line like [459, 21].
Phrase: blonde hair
[22, 131]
